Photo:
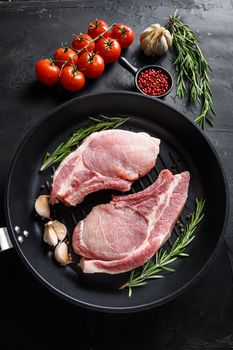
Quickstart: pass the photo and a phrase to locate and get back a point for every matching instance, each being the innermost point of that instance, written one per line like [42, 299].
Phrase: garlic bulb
[155, 40]
[61, 254]
[42, 206]
[54, 232]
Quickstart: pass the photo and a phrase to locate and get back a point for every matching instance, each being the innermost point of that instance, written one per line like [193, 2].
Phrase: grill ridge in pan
[183, 147]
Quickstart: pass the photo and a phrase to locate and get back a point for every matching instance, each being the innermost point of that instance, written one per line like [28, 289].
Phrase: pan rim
[114, 309]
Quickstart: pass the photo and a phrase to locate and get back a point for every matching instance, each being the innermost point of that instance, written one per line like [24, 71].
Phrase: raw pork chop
[125, 233]
[110, 159]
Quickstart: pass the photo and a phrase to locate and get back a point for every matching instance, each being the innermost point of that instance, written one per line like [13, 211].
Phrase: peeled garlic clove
[42, 206]
[50, 236]
[59, 229]
[61, 254]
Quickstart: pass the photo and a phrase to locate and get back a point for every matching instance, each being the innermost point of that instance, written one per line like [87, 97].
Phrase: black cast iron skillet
[183, 147]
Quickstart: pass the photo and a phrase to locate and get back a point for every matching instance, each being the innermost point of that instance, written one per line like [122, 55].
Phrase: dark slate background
[30, 316]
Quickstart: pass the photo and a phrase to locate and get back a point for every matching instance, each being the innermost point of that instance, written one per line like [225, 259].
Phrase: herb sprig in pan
[161, 260]
[99, 123]
[192, 67]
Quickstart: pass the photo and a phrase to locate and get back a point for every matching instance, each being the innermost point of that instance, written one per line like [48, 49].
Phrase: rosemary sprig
[97, 123]
[153, 267]
[192, 67]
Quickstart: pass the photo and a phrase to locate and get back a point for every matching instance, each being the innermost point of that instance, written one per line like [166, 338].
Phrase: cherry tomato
[63, 54]
[82, 40]
[109, 49]
[47, 72]
[124, 35]
[72, 79]
[91, 64]
[97, 27]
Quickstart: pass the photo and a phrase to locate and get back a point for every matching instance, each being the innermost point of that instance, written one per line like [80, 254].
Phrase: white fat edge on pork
[81, 227]
[66, 184]
[168, 194]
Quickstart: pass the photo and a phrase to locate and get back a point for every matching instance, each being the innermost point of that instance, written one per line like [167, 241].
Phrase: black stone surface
[30, 316]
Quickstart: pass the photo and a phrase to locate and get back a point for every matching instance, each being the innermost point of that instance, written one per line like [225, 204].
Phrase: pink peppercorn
[153, 82]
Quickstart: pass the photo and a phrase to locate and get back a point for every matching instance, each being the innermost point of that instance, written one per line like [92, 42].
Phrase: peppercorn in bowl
[154, 80]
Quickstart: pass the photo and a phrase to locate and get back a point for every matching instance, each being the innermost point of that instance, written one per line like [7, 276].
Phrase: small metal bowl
[136, 73]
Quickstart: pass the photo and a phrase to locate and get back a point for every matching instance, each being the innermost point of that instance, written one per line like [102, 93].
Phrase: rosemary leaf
[64, 149]
[170, 269]
[184, 254]
[152, 268]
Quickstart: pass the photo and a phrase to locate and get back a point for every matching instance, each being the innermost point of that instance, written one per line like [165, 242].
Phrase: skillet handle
[125, 63]
[5, 242]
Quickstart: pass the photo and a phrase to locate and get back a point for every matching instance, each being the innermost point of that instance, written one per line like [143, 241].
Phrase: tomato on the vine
[72, 79]
[63, 54]
[109, 49]
[47, 72]
[97, 27]
[91, 64]
[124, 35]
[82, 40]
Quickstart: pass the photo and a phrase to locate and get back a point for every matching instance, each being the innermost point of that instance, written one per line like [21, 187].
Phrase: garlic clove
[54, 232]
[168, 37]
[60, 230]
[61, 254]
[161, 47]
[146, 46]
[145, 33]
[42, 206]
[156, 26]
[50, 236]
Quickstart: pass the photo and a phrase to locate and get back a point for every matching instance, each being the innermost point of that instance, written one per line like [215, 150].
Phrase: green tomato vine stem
[86, 46]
